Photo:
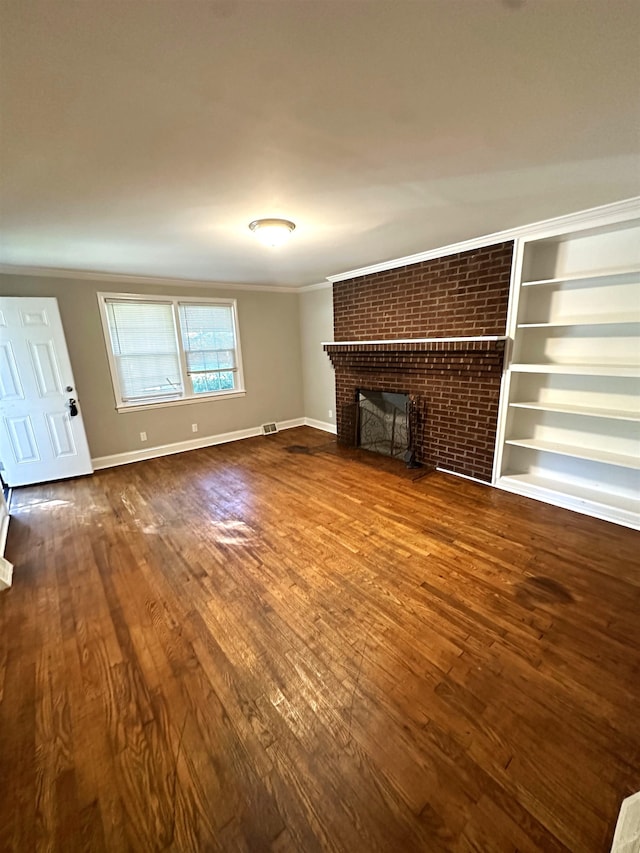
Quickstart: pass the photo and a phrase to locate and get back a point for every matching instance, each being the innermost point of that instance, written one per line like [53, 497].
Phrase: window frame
[187, 396]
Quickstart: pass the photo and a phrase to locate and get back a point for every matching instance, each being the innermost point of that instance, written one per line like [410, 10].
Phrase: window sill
[183, 401]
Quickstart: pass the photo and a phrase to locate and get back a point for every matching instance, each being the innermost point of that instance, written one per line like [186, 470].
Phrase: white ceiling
[143, 137]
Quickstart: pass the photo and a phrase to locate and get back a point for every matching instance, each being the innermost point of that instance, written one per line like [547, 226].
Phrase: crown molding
[321, 285]
[618, 211]
[120, 278]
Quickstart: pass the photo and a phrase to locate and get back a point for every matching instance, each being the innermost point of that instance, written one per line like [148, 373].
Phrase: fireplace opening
[383, 423]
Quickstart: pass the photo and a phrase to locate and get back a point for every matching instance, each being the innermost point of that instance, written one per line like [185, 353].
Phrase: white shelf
[622, 460]
[588, 411]
[588, 278]
[579, 369]
[524, 482]
[617, 320]
[583, 359]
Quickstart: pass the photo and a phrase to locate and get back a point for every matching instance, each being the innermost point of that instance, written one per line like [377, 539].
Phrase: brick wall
[463, 294]
[456, 386]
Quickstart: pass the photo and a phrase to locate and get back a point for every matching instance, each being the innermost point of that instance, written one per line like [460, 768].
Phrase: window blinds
[145, 349]
[208, 337]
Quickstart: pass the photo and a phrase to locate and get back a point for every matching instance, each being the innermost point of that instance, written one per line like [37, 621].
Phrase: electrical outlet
[143, 436]
[194, 427]
[330, 413]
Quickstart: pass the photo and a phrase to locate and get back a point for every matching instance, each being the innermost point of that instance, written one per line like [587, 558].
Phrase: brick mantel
[451, 354]
[485, 343]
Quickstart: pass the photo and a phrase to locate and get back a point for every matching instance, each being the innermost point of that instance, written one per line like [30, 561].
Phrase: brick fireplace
[434, 331]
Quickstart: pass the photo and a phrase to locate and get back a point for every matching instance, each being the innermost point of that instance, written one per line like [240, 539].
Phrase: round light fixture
[272, 232]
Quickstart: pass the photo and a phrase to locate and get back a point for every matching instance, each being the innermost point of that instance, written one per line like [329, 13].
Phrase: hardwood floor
[245, 648]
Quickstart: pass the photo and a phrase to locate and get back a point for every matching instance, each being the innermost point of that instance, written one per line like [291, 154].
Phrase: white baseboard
[181, 446]
[627, 835]
[463, 476]
[4, 521]
[4, 531]
[323, 425]
[294, 422]
[6, 573]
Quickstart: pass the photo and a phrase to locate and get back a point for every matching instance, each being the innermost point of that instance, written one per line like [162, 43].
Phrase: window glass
[169, 349]
[145, 349]
[208, 336]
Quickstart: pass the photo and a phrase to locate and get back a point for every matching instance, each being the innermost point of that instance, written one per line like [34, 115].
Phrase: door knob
[73, 407]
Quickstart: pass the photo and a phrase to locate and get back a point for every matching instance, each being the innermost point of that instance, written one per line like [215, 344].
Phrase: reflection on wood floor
[241, 648]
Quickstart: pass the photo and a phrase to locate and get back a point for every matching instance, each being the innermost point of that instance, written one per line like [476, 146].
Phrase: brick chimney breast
[382, 323]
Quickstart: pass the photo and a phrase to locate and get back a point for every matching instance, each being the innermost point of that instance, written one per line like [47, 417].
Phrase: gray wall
[316, 326]
[270, 340]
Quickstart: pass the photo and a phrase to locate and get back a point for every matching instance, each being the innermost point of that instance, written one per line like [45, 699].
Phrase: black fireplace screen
[382, 422]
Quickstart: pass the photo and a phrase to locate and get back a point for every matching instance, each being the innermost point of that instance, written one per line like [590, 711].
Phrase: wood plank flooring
[247, 649]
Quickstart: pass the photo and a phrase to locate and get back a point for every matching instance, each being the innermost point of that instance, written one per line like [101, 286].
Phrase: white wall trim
[6, 568]
[617, 212]
[115, 459]
[4, 531]
[627, 834]
[462, 476]
[322, 425]
[290, 424]
[6, 573]
[121, 278]
[505, 381]
[203, 398]
[322, 285]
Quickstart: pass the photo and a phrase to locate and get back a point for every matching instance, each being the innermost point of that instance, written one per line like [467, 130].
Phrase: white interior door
[40, 436]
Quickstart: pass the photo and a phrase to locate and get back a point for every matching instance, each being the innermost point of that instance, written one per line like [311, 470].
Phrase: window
[164, 351]
[209, 341]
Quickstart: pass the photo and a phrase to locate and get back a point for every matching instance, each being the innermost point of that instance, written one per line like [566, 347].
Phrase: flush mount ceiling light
[272, 232]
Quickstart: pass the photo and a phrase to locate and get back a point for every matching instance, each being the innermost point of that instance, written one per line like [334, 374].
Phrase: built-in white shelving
[604, 320]
[602, 277]
[569, 430]
[575, 452]
[586, 411]
[580, 369]
[598, 503]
